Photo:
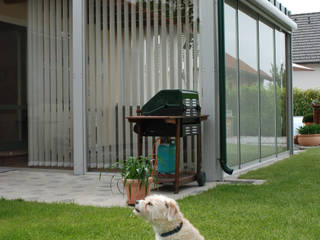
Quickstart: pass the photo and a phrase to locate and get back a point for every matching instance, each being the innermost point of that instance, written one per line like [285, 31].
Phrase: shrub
[302, 100]
[310, 129]
[308, 118]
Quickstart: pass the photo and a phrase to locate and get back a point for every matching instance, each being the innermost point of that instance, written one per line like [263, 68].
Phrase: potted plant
[308, 119]
[309, 135]
[137, 176]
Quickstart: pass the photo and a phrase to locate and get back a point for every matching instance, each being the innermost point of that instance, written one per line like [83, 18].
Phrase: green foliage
[308, 118]
[302, 100]
[316, 102]
[249, 105]
[310, 129]
[139, 168]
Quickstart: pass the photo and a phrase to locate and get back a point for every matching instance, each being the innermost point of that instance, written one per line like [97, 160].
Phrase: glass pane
[249, 90]
[280, 73]
[231, 85]
[267, 88]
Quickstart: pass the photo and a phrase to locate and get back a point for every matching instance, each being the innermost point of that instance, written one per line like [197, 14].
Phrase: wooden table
[177, 179]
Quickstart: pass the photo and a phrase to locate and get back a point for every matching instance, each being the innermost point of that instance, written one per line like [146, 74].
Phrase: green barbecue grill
[172, 102]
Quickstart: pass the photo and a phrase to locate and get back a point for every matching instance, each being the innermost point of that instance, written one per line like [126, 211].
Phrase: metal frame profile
[79, 86]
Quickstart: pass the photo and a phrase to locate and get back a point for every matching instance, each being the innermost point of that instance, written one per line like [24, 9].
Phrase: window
[255, 86]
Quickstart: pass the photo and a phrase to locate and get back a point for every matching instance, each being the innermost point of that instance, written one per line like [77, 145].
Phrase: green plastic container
[167, 158]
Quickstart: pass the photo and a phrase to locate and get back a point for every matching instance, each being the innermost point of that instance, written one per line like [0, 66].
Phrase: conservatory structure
[71, 71]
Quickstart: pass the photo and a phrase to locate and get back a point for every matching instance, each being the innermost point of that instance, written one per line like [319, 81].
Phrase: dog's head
[157, 208]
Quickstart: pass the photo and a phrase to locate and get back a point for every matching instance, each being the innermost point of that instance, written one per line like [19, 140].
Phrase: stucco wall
[307, 79]
[14, 13]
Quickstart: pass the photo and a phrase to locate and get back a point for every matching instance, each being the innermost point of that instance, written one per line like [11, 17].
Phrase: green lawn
[287, 206]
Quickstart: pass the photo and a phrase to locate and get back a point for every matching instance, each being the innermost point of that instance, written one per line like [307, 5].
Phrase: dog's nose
[137, 202]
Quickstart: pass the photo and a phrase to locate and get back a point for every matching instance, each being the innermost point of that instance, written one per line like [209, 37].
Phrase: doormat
[4, 169]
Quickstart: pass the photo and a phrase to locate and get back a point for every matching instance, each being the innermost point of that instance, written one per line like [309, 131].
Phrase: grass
[287, 206]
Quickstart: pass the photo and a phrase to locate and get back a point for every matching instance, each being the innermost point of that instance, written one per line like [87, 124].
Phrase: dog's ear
[172, 210]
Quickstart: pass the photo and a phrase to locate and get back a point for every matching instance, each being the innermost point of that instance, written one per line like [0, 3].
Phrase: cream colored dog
[166, 219]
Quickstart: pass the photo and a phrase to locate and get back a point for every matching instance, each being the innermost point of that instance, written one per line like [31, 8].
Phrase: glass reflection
[280, 75]
[267, 90]
[249, 88]
[231, 85]
[255, 86]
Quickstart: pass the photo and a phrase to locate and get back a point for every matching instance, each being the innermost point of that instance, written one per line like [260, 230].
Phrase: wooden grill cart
[173, 123]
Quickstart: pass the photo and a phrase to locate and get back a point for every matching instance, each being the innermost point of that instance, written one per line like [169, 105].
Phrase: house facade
[88, 64]
[306, 50]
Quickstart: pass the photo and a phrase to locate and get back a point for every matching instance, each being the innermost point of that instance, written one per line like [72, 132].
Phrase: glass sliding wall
[135, 48]
[249, 87]
[281, 88]
[255, 86]
[231, 46]
[267, 90]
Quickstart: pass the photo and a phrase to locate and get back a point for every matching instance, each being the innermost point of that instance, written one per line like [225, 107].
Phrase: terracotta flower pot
[137, 192]
[309, 140]
[308, 123]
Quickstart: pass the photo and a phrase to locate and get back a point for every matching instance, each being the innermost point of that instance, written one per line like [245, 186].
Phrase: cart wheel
[201, 178]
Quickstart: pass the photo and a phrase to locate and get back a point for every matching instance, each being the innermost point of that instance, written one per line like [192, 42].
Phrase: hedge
[302, 101]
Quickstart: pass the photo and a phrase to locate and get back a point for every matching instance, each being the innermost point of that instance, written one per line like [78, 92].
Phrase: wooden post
[139, 138]
[177, 172]
[199, 152]
[316, 114]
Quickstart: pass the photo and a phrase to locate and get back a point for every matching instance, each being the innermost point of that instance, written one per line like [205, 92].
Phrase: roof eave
[274, 12]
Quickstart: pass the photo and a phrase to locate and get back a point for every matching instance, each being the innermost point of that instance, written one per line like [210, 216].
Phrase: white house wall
[307, 79]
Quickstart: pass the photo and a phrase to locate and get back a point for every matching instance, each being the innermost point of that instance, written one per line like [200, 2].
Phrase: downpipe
[222, 89]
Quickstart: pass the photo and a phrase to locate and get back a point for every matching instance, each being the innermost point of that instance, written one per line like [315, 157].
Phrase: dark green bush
[302, 100]
[310, 129]
[308, 118]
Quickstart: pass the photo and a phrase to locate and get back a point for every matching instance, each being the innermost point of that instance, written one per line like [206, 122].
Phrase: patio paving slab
[62, 186]
[49, 185]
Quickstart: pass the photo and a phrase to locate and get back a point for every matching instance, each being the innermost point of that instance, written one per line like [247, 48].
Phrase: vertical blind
[49, 83]
[135, 48]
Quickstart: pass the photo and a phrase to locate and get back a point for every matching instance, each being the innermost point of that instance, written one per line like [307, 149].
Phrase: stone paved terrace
[62, 186]
[48, 185]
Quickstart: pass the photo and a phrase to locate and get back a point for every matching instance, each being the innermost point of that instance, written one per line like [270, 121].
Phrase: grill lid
[173, 102]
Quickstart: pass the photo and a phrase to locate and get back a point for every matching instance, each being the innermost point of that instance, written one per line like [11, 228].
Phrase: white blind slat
[105, 70]
[99, 89]
[164, 68]
[59, 82]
